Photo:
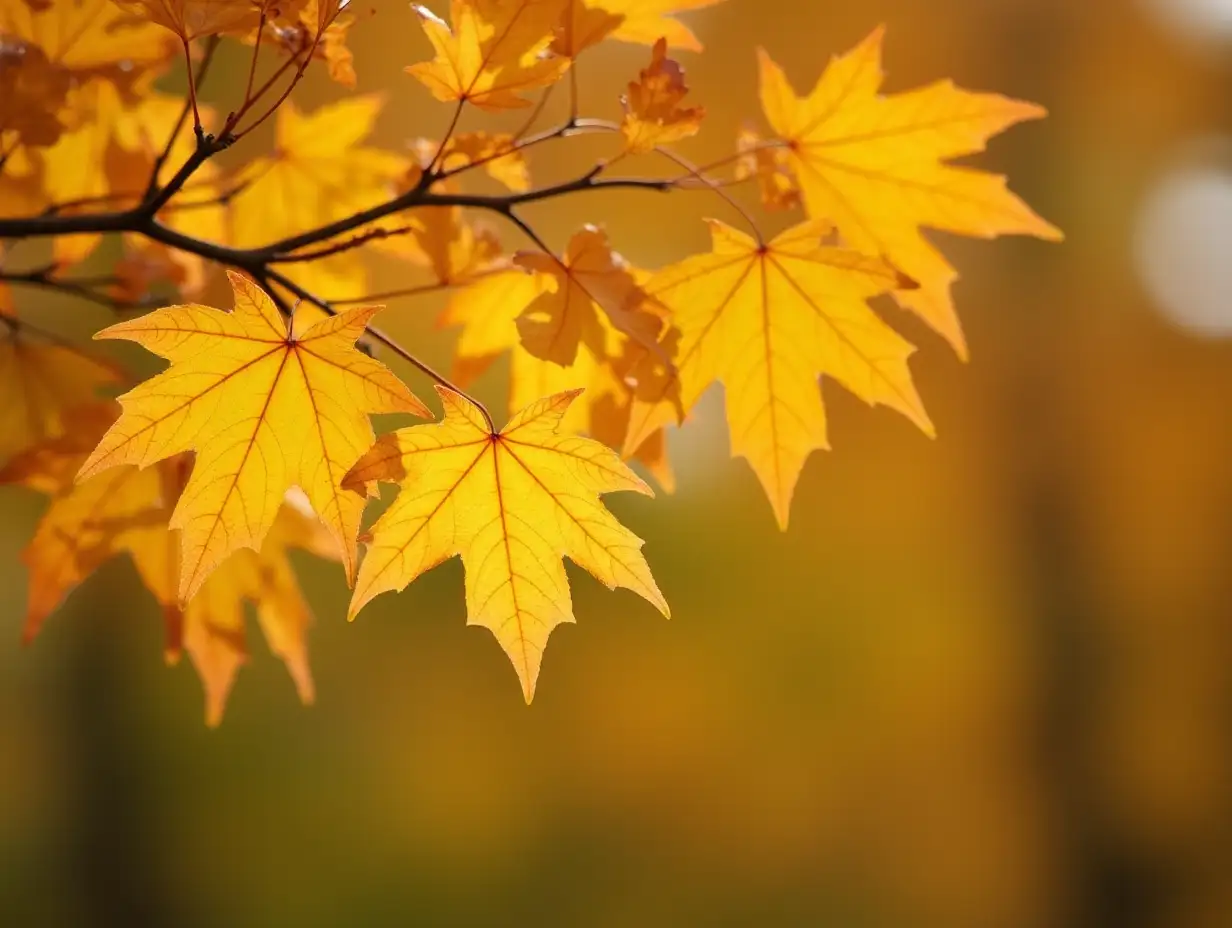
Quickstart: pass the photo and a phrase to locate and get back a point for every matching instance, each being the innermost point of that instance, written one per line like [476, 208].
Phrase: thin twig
[420, 290]
[202, 71]
[340, 247]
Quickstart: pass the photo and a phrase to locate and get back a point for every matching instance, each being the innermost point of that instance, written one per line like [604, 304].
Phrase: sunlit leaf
[262, 409]
[510, 504]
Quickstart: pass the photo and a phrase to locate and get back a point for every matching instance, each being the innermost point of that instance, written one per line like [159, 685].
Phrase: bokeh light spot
[1184, 248]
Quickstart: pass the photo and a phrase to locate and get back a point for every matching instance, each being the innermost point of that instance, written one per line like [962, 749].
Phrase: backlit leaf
[493, 52]
[511, 505]
[767, 321]
[263, 410]
[653, 114]
[875, 166]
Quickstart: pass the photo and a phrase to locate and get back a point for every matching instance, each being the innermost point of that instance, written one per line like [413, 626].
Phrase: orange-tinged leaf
[126, 510]
[768, 321]
[262, 409]
[511, 504]
[647, 21]
[770, 163]
[32, 90]
[493, 52]
[192, 19]
[213, 622]
[42, 381]
[653, 114]
[487, 310]
[589, 282]
[876, 166]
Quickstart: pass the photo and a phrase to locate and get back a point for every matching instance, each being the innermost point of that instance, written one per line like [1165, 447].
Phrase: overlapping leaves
[257, 438]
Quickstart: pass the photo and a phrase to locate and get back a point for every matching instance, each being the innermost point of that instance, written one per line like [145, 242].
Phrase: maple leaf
[42, 380]
[653, 114]
[263, 409]
[32, 90]
[580, 26]
[492, 54]
[590, 281]
[88, 524]
[770, 163]
[86, 37]
[497, 152]
[319, 173]
[126, 511]
[510, 504]
[875, 166]
[767, 320]
[192, 19]
[647, 21]
[213, 622]
[316, 26]
[487, 310]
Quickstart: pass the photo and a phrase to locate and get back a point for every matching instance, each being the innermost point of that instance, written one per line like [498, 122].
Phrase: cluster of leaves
[257, 437]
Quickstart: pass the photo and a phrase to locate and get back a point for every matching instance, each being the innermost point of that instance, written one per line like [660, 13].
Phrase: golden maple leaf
[590, 282]
[487, 310]
[581, 25]
[653, 114]
[42, 380]
[767, 320]
[647, 21]
[875, 166]
[510, 504]
[264, 409]
[493, 52]
[319, 173]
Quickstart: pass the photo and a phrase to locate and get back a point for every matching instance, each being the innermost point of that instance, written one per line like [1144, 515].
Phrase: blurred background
[981, 682]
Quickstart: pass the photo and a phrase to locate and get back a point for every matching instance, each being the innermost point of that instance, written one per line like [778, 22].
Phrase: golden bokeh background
[981, 682]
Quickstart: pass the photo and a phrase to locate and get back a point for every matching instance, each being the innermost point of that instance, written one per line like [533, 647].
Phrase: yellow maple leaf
[653, 114]
[581, 25]
[510, 504]
[647, 21]
[42, 380]
[767, 321]
[319, 173]
[263, 409]
[86, 37]
[875, 166]
[487, 310]
[493, 52]
[590, 282]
